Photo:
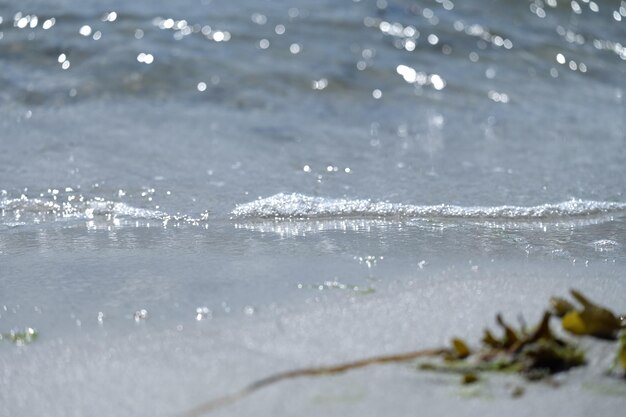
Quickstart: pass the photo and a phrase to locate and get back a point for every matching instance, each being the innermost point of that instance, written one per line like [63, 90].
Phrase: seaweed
[29, 335]
[535, 354]
[314, 371]
[592, 319]
[469, 378]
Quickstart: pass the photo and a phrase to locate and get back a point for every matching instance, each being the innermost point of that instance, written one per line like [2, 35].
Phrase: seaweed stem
[306, 372]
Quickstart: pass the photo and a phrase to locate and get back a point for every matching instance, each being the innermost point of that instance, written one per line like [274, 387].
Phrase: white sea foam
[302, 206]
[26, 210]
[79, 208]
[605, 245]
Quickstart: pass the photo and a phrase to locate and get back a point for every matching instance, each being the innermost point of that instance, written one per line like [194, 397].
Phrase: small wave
[26, 210]
[295, 227]
[605, 245]
[302, 206]
[78, 208]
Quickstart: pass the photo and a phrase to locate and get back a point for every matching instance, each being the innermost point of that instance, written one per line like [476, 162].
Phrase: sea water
[194, 194]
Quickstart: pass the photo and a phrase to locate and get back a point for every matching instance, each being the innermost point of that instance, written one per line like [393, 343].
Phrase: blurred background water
[428, 102]
[130, 131]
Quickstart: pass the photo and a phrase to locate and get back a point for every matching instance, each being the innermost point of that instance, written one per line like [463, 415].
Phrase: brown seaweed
[313, 371]
[534, 354]
[592, 319]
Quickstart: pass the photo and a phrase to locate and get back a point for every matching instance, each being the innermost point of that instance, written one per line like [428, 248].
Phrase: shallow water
[320, 179]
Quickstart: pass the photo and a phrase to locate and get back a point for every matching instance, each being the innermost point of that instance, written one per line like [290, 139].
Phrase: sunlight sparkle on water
[145, 58]
[498, 97]
[412, 76]
[47, 24]
[319, 84]
[110, 17]
[85, 30]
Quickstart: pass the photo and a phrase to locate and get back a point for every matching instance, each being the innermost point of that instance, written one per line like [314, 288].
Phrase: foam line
[301, 206]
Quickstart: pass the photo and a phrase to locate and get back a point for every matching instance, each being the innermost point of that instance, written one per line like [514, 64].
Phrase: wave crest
[301, 206]
[26, 210]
